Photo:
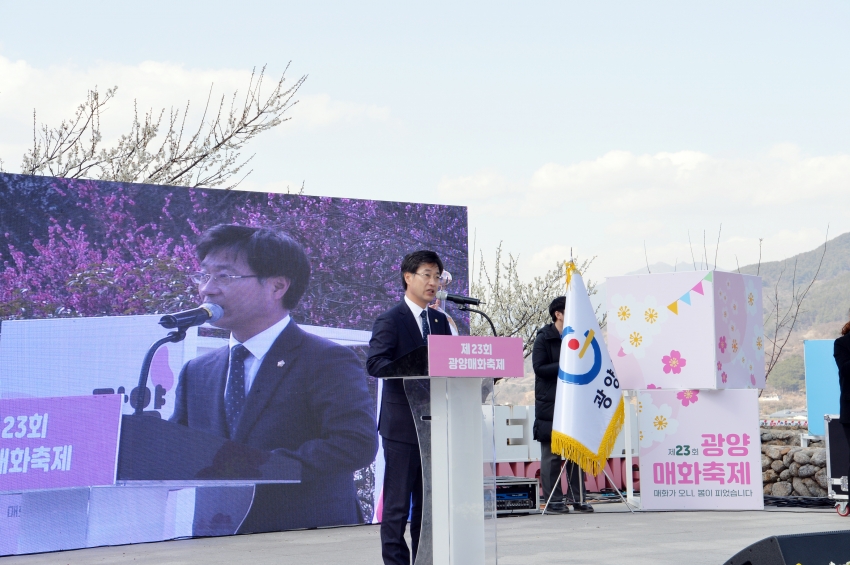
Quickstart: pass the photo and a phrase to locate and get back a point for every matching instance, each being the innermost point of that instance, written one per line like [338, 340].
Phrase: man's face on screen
[423, 284]
[250, 305]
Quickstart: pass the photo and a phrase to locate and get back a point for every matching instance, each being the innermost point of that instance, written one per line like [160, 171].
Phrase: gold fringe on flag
[591, 462]
[570, 266]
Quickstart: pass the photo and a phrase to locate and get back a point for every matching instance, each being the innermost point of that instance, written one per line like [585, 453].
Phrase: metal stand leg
[564, 464]
[618, 491]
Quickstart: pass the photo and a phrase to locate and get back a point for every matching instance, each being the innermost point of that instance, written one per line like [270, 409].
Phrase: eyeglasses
[433, 278]
[223, 279]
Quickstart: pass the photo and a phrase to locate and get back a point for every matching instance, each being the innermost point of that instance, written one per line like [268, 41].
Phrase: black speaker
[839, 454]
[822, 547]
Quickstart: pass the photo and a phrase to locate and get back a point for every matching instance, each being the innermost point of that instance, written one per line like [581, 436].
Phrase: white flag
[588, 401]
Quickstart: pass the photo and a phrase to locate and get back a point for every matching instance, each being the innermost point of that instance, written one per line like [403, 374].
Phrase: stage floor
[610, 535]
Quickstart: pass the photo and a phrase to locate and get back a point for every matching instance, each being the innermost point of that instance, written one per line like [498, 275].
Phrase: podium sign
[62, 442]
[468, 356]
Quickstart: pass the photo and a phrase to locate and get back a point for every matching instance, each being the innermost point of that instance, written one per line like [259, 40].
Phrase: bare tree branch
[163, 152]
[717, 249]
[517, 308]
[784, 319]
[692, 250]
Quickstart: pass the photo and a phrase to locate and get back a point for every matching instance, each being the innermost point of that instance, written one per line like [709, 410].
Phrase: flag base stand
[607, 476]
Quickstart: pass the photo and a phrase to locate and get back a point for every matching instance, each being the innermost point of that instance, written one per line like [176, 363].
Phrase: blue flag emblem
[590, 339]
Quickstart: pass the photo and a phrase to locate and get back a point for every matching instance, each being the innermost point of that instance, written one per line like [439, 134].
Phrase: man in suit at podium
[400, 330]
[277, 387]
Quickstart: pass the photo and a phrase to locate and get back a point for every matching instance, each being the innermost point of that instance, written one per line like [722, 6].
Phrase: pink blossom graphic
[650, 387]
[673, 362]
[719, 366]
[722, 344]
[753, 379]
[723, 376]
[688, 396]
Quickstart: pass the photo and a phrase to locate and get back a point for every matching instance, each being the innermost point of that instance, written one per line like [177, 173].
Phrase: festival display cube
[699, 450]
[686, 330]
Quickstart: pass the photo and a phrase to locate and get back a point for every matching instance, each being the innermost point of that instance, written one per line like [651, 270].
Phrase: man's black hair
[557, 305]
[269, 253]
[412, 262]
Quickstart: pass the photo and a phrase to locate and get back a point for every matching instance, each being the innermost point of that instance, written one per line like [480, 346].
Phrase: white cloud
[611, 205]
[480, 186]
[56, 91]
[623, 181]
[322, 110]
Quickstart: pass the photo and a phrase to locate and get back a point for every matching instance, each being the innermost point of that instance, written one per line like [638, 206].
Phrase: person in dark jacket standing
[841, 352]
[544, 358]
[397, 332]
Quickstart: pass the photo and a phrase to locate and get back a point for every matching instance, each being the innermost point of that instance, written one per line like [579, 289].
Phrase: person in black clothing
[544, 358]
[841, 352]
[402, 329]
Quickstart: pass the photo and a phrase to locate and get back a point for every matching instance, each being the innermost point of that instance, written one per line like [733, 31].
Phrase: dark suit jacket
[315, 408]
[394, 334]
[841, 352]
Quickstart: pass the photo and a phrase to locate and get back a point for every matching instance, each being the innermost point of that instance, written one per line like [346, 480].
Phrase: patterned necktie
[426, 329]
[234, 393]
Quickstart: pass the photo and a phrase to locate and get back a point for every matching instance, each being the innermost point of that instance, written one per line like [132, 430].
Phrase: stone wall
[791, 470]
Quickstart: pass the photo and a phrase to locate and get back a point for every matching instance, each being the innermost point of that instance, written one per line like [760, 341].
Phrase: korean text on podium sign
[61, 442]
[468, 356]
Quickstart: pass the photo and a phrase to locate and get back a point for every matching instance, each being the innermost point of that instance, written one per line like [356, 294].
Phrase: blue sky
[592, 126]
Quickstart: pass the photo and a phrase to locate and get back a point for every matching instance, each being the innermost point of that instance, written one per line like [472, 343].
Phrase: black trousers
[847, 437]
[402, 495]
[550, 467]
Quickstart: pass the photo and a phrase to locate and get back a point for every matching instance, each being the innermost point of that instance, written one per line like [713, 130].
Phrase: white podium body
[457, 448]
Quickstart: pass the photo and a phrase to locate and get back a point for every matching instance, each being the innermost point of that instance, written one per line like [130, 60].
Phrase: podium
[172, 481]
[154, 451]
[446, 384]
[223, 474]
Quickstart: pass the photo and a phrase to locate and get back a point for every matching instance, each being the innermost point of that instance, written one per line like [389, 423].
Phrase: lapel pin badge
[281, 363]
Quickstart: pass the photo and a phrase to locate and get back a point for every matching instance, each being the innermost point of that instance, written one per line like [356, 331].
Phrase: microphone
[442, 295]
[207, 312]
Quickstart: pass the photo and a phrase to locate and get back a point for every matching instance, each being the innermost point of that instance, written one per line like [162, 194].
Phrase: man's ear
[280, 286]
[408, 277]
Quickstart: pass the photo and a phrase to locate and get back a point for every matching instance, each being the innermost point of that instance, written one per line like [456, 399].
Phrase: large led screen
[90, 267]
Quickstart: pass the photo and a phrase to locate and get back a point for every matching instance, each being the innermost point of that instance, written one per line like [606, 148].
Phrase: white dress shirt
[417, 312]
[258, 346]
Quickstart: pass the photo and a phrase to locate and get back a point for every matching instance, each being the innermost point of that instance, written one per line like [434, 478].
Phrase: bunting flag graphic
[588, 400]
[686, 298]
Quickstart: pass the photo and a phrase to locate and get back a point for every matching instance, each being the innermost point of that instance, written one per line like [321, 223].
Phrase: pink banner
[467, 356]
[700, 450]
[59, 442]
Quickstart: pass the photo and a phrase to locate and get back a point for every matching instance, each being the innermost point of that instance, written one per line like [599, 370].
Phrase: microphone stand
[466, 308]
[173, 337]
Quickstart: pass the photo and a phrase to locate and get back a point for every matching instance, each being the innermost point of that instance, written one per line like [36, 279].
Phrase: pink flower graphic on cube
[723, 376]
[753, 379]
[719, 365]
[722, 344]
[688, 396]
[673, 362]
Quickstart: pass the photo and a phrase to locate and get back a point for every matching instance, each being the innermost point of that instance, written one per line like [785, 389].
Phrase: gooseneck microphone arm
[466, 308]
[142, 391]
[181, 321]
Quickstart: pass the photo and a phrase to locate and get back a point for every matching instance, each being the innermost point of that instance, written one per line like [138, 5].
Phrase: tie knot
[423, 314]
[239, 353]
